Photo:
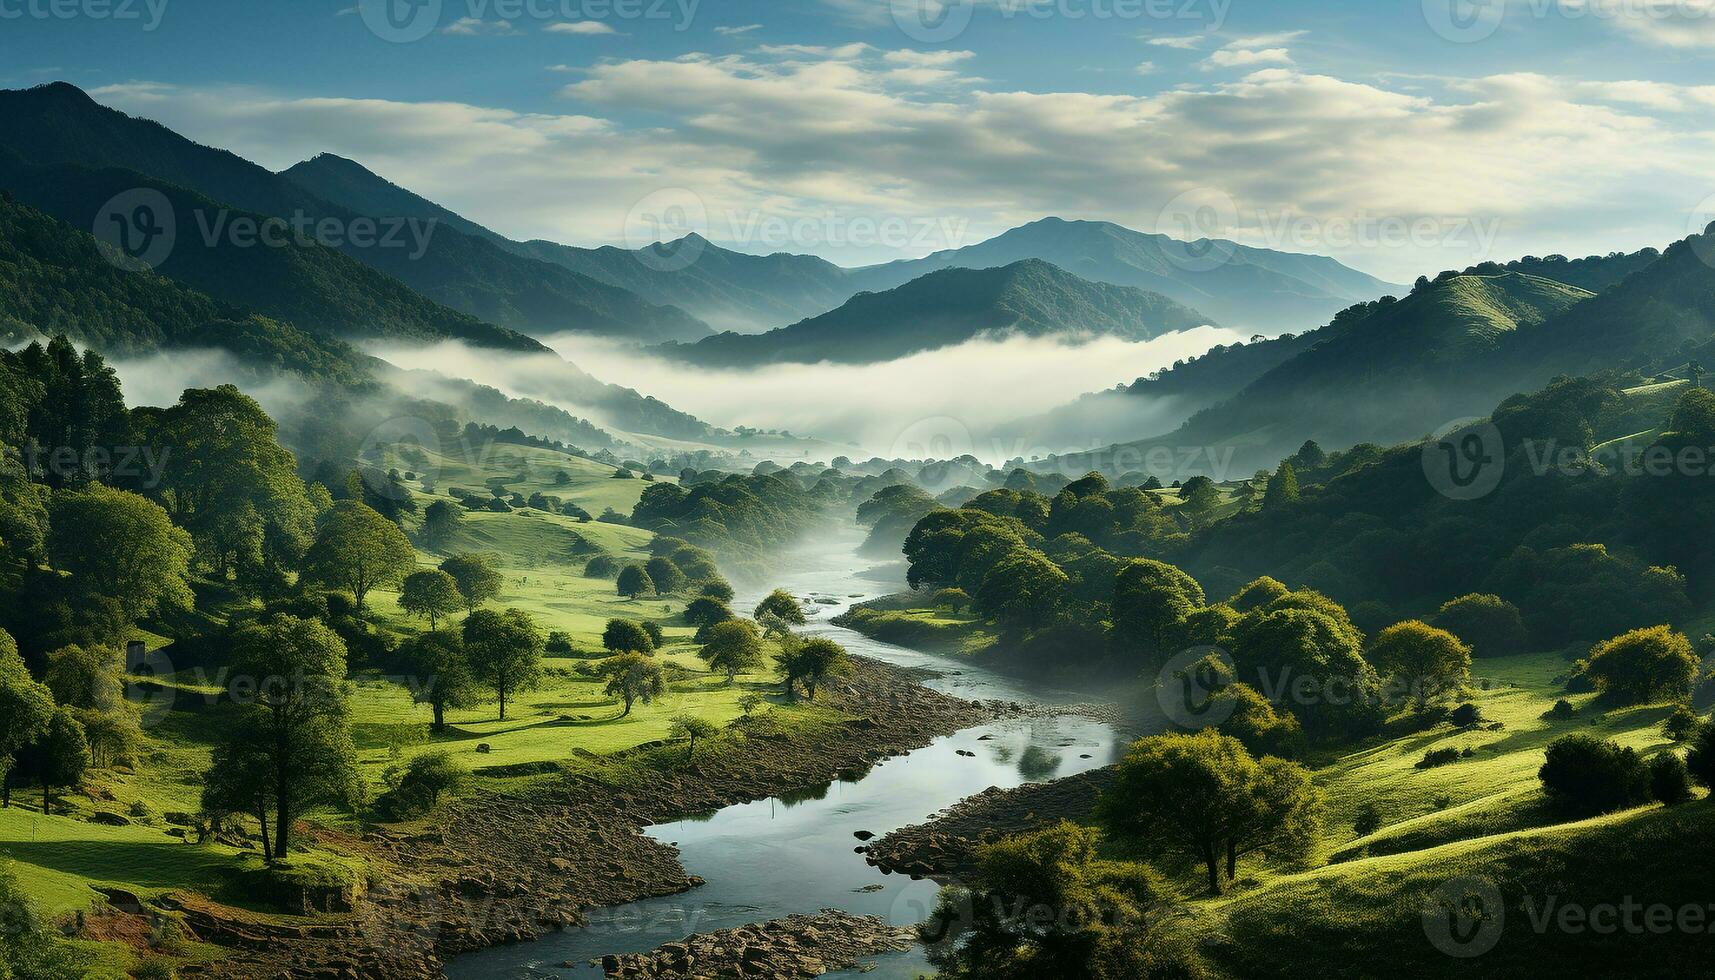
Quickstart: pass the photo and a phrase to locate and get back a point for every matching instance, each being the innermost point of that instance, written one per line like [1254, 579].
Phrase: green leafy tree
[1151, 603]
[1644, 665]
[1586, 775]
[734, 646]
[477, 579]
[441, 675]
[1282, 487]
[240, 781]
[1204, 795]
[26, 707]
[1669, 780]
[120, 546]
[627, 636]
[357, 549]
[505, 650]
[292, 710]
[634, 581]
[1432, 663]
[717, 590]
[60, 757]
[706, 611]
[1491, 625]
[691, 728]
[431, 594]
[1701, 759]
[1025, 589]
[441, 520]
[811, 662]
[780, 605]
[633, 677]
[665, 574]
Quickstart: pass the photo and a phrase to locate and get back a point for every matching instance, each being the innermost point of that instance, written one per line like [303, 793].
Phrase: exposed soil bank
[945, 847]
[504, 869]
[798, 946]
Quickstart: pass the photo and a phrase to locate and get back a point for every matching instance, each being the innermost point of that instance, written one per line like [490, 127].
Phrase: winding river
[786, 855]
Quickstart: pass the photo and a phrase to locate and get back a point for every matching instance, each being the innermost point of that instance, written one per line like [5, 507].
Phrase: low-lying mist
[978, 397]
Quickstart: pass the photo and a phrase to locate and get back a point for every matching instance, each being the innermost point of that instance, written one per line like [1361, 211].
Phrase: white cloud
[472, 27]
[928, 59]
[735, 31]
[1247, 58]
[1146, 68]
[1187, 43]
[1682, 24]
[582, 27]
[799, 133]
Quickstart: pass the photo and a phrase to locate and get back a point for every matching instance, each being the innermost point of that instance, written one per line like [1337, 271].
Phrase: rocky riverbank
[798, 946]
[511, 868]
[945, 847]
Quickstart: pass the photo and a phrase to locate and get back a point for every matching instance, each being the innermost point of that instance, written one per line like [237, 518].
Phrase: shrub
[1669, 780]
[424, 781]
[559, 642]
[602, 566]
[1491, 625]
[1367, 821]
[1438, 757]
[1562, 711]
[1701, 760]
[1681, 725]
[1466, 715]
[1588, 775]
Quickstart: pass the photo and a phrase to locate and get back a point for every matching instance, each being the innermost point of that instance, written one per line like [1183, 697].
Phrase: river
[775, 857]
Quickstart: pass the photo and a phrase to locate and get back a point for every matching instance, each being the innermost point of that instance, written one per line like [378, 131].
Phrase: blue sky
[1356, 129]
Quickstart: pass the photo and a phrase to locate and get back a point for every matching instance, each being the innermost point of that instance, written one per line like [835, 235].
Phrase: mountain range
[1030, 298]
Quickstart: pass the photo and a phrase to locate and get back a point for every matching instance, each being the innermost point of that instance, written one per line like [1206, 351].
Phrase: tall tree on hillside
[734, 646]
[780, 605]
[1282, 487]
[627, 636]
[1433, 663]
[1024, 589]
[26, 706]
[358, 550]
[121, 547]
[505, 650]
[79, 413]
[633, 677]
[441, 520]
[442, 676]
[59, 757]
[477, 578]
[297, 718]
[226, 479]
[430, 593]
[634, 581]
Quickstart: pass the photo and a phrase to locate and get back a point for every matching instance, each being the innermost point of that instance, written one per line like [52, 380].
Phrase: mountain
[59, 124]
[1243, 287]
[55, 279]
[731, 290]
[1383, 372]
[1024, 299]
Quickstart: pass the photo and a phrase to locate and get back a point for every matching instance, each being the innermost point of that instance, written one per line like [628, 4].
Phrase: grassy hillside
[1028, 299]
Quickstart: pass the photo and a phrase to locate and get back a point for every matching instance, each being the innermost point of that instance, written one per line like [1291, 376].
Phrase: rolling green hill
[1250, 288]
[59, 124]
[1026, 299]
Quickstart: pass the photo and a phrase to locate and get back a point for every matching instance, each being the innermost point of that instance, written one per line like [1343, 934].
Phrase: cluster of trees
[740, 517]
[675, 566]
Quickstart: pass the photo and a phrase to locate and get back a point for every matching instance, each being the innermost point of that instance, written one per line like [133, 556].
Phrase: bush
[559, 642]
[1562, 711]
[1491, 625]
[1438, 757]
[1367, 821]
[1644, 665]
[1586, 775]
[424, 781]
[1466, 715]
[1682, 725]
[602, 566]
[1669, 780]
[1701, 760]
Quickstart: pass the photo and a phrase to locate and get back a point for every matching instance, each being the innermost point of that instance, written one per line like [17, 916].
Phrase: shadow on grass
[146, 864]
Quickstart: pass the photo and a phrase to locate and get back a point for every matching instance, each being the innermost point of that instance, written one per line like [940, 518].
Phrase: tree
[734, 646]
[707, 611]
[1151, 602]
[1586, 775]
[633, 677]
[634, 581]
[90, 680]
[1701, 759]
[1200, 497]
[811, 662]
[431, 594]
[240, 781]
[718, 590]
[26, 707]
[1644, 665]
[505, 650]
[1204, 795]
[292, 722]
[358, 550]
[1490, 624]
[1669, 781]
[119, 546]
[1046, 904]
[441, 520]
[1432, 663]
[234, 488]
[1024, 589]
[665, 574]
[1258, 593]
[1252, 719]
[442, 677]
[691, 727]
[424, 780]
[1282, 487]
[627, 636]
[780, 605]
[60, 756]
[476, 577]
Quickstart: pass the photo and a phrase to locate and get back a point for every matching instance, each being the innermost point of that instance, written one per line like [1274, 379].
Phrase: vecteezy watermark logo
[1696, 225]
[932, 21]
[404, 435]
[400, 21]
[1187, 683]
[1464, 21]
[140, 227]
[666, 229]
[941, 437]
[1195, 219]
[1464, 917]
[1465, 460]
[149, 12]
[144, 670]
